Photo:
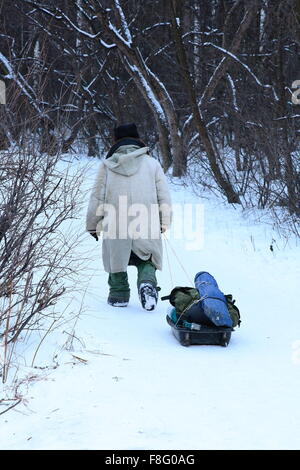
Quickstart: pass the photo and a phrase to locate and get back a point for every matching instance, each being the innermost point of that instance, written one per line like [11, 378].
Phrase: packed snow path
[128, 384]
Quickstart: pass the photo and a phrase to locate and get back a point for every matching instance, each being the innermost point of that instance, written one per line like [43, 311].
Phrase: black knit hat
[127, 130]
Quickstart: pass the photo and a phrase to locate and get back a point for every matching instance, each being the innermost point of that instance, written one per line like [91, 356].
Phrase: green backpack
[182, 298]
[233, 310]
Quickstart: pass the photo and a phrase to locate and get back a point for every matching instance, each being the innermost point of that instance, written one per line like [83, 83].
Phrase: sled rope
[174, 252]
[186, 308]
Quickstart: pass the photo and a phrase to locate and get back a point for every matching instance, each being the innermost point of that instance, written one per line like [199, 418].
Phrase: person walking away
[130, 204]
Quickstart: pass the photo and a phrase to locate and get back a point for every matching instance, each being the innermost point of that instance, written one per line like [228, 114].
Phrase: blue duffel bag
[212, 306]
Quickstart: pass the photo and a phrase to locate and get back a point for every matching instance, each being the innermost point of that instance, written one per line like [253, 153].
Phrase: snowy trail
[139, 389]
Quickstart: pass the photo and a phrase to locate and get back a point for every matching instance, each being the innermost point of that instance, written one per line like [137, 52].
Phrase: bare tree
[36, 258]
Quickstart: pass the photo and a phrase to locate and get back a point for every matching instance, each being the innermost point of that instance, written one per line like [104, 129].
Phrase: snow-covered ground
[124, 382]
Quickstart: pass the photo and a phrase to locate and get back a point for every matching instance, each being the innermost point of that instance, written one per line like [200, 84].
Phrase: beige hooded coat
[129, 203]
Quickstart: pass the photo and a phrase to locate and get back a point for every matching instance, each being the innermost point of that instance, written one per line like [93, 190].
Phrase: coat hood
[125, 160]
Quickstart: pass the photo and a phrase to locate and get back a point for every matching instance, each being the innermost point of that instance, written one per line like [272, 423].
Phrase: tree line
[208, 82]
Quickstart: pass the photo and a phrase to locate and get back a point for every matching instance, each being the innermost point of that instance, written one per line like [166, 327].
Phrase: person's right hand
[163, 229]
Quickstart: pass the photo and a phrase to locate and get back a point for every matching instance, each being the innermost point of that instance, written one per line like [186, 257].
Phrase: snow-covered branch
[123, 23]
[156, 25]
[118, 35]
[233, 56]
[21, 82]
[147, 89]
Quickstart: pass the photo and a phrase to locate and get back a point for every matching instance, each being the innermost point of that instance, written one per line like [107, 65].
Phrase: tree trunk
[222, 68]
[222, 182]
[154, 93]
[4, 141]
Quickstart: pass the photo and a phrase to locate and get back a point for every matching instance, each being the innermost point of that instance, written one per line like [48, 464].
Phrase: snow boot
[119, 291]
[117, 302]
[148, 295]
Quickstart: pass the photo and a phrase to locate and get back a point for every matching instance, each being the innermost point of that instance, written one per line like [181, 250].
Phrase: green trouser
[118, 282]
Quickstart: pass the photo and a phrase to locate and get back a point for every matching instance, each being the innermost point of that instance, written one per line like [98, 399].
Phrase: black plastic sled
[205, 335]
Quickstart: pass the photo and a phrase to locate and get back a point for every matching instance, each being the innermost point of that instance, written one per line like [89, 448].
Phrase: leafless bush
[38, 196]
